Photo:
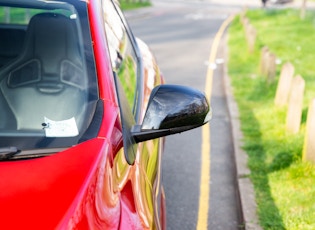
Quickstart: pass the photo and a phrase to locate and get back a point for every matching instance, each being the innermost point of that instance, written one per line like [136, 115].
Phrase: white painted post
[309, 141]
[271, 71]
[251, 38]
[264, 60]
[284, 84]
[7, 14]
[295, 105]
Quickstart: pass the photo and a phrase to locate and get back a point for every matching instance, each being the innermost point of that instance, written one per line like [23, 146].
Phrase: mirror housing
[172, 109]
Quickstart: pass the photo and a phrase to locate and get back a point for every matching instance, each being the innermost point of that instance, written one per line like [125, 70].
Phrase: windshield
[48, 89]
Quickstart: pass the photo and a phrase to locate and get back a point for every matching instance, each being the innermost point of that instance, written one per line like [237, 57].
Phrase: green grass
[284, 185]
[128, 5]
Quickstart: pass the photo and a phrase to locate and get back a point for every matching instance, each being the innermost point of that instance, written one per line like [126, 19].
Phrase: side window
[122, 54]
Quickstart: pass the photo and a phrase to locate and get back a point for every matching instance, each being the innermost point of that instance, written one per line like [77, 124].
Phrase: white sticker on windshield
[65, 128]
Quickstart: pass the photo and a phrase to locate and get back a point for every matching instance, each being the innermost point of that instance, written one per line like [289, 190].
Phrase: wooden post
[263, 60]
[245, 22]
[284, 84]
[7, 14]
[309, 143]
[251, 38]
[242, 15]
[303, 9]
[27, 15]
[271, 71]
[295, 105]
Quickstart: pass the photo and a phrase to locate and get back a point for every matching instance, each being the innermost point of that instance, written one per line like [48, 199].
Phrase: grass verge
[284, 184]
[128, 5]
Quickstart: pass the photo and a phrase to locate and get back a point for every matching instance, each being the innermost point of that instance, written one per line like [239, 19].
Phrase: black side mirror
[172, 109]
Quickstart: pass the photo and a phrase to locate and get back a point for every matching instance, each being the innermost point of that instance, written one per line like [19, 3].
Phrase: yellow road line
[204, 196]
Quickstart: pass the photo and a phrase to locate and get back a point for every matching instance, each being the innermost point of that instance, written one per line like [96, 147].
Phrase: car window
[47, 87]
[123, 57]
[22, 16]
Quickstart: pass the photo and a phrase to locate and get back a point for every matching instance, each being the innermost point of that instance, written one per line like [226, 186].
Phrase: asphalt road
[181, 33]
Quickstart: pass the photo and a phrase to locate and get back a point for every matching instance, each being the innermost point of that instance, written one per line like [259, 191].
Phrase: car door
[137, 165]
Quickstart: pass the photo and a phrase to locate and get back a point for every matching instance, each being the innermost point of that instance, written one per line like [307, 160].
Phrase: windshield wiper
[13, 153]
[8, 152]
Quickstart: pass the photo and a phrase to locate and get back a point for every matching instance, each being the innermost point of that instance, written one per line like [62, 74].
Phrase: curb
[245, 187]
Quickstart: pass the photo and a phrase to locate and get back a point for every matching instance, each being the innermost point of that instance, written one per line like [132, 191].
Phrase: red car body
[91, 185]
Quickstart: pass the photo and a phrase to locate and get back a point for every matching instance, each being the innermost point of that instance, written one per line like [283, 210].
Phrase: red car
[83, 113]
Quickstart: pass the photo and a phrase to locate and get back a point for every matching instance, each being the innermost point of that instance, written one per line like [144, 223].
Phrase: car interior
[41, 73]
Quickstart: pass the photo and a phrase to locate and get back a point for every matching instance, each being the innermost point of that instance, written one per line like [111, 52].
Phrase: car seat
[47, 80]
